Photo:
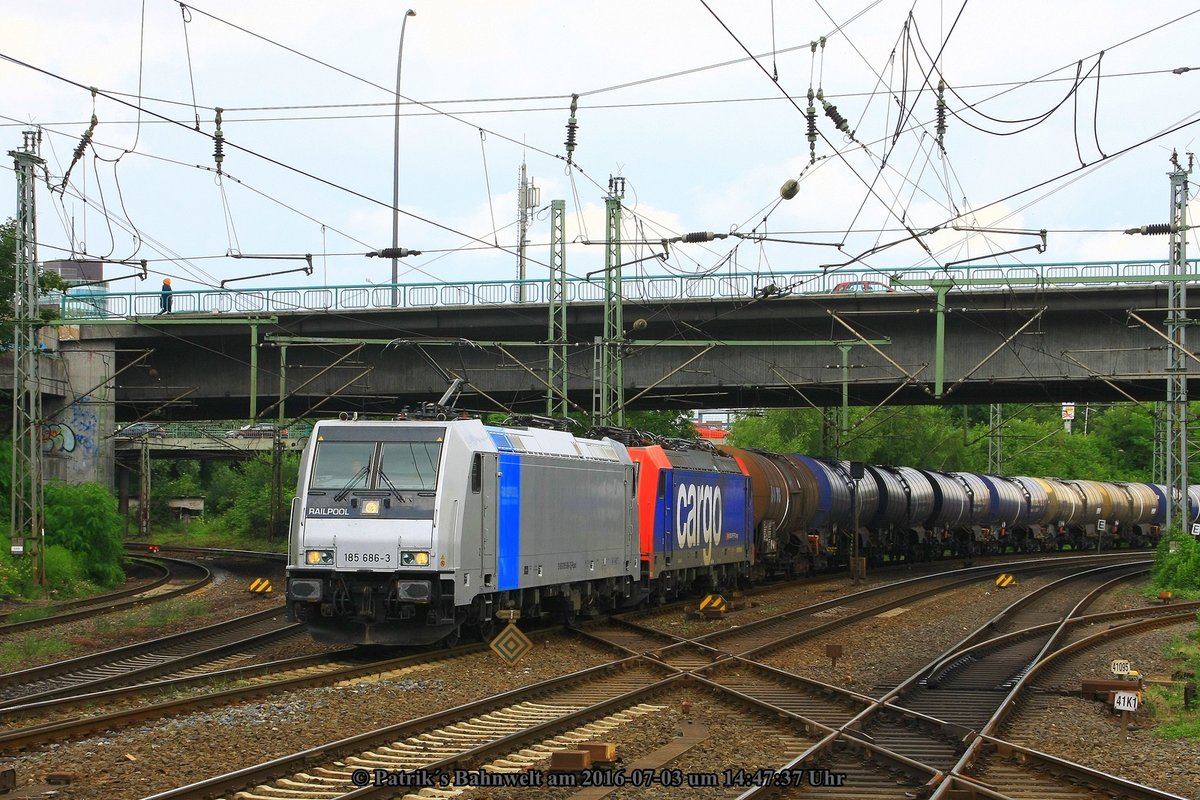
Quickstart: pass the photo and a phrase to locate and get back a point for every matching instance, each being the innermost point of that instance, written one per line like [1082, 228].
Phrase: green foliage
[665, 423]
[1177, 572]
[29, 650]
[16, 577]
[64, 573]
[1166, 702]
[47, 281]
[83, 519]
[924, 436]
[238, 495]
[1114, 443]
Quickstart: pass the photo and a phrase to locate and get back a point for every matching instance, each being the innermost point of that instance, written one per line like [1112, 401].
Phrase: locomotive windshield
[409, 465]
[397, 466]
[342, 465]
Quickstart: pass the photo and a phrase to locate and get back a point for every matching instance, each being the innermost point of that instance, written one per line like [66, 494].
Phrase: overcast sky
[669, 99]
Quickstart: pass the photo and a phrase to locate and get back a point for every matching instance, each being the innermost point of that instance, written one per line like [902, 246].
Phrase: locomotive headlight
[414, 558]
[370, 507]
[318, 558]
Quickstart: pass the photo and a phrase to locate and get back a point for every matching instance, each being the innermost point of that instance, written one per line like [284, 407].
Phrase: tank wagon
[411, 532]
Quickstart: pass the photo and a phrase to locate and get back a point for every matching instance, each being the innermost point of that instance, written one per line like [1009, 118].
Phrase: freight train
[412, 532]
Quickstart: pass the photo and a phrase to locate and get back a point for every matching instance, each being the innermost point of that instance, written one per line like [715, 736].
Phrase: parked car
[259, 430]
[138, 430]
[860, 287]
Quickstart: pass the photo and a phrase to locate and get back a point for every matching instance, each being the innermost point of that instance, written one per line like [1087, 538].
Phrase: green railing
[87, 304]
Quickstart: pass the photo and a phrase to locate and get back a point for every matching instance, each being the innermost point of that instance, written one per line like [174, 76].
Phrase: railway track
[157, 590]
[58, 719]
[937, 729]
[815, 710]
[822, 724]
[603, 696]
[143, 661]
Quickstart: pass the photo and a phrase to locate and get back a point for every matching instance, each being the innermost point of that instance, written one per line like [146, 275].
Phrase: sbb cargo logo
[699, 516]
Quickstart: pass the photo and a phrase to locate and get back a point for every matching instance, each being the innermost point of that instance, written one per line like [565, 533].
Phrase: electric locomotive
[406, 532]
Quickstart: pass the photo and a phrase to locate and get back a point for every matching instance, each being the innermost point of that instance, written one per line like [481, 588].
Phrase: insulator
[84, 141]
[698, 236]
[1157, 229]
[838, 120]
[219, 143]
[219, 149]
[572, 127]
[941, 114]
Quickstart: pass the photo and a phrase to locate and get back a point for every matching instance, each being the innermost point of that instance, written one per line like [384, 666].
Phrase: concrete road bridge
[1021, 333]
[1041, 333]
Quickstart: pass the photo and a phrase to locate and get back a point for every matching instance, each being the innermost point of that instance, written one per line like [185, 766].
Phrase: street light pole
[396, 164]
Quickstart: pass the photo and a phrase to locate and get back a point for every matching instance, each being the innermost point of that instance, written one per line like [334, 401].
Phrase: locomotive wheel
[486, 629]
[452, 638]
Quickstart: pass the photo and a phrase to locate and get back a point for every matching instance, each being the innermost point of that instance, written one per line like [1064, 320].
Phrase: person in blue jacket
[165, 303]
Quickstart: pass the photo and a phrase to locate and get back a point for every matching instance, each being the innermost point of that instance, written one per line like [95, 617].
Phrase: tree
[83, 519]
[47, 281]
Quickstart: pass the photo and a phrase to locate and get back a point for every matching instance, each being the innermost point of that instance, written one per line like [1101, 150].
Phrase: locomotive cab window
[477, 473]
[342, 466]
[410, 466]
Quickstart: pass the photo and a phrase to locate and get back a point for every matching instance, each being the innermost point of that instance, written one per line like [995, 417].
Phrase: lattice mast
[996, 439]
[608, 397]
[556, 334]
[27, 504]
[1177, 356]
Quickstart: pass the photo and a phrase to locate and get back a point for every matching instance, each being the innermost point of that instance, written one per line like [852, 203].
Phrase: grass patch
[161, 614]
[203, 534]
[29, 614]
[1165, 703]
[29, 649]
[1166, 709]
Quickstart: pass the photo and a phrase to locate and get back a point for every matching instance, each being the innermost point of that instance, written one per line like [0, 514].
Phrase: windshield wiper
[340, 496]
[383, 476]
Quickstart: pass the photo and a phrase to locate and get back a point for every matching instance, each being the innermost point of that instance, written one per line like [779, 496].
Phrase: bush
[64, 573]
[83, 519]
[16, 577]
[1177, 572]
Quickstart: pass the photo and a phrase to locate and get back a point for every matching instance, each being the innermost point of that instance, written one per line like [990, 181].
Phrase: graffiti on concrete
[57, 437]
[79, 434]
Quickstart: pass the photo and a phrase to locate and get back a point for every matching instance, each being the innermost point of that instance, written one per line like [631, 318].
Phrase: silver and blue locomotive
[408, 532]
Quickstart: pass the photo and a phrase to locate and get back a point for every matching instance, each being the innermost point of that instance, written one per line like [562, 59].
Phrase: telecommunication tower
[528, 198]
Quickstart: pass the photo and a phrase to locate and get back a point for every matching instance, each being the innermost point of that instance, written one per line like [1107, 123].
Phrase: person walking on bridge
[165, 303]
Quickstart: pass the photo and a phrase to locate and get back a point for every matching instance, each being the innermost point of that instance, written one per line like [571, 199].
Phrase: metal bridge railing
[87, 304]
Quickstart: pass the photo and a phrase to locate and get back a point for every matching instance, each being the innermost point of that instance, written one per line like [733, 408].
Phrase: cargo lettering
[699, 516]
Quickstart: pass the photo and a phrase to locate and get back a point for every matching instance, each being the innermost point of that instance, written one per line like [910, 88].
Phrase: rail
[87, 304]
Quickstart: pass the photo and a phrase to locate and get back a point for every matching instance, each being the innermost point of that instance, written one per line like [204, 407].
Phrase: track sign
[1120, 666]
[1195, 530]
[1101, 524]
[1125, 701]
[511, 644]
[1006, 580]
[261, 586]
